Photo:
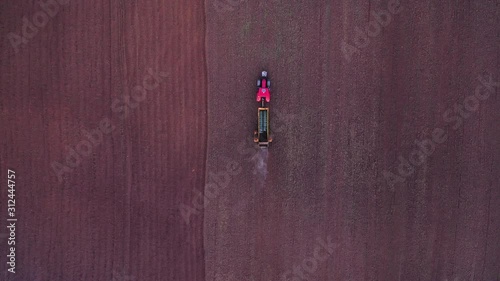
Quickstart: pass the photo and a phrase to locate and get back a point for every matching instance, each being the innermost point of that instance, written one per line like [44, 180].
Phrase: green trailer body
[262, 134]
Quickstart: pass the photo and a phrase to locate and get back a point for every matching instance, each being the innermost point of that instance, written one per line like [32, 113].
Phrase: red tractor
[262, 135]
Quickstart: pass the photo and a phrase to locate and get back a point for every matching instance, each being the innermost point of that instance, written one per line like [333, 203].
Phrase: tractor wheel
[258, 82]
[269, 83]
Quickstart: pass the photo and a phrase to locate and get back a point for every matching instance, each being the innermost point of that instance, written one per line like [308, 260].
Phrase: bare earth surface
[115, 216]
[334, 198]
[339, 126]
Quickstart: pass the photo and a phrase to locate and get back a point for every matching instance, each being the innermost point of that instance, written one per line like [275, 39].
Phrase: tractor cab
[263, 85]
